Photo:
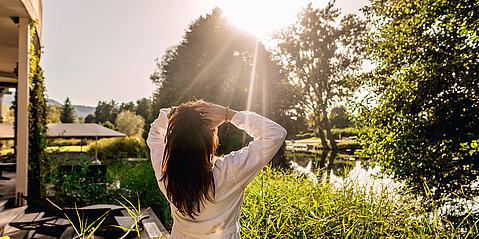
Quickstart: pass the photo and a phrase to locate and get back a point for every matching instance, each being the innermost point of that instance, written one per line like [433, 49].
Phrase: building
[17, 18]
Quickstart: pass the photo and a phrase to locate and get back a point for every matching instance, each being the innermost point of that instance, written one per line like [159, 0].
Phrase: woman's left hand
[216, 113]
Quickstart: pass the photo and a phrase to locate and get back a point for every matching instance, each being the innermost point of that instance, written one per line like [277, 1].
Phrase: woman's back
[232, 173]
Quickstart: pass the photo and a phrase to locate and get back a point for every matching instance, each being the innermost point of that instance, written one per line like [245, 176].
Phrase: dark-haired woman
[206, 192]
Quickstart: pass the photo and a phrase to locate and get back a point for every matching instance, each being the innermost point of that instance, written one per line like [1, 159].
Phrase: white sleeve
[156, 140]
[268, 137]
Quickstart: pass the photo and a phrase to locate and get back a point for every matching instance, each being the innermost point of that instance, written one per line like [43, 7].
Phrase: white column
[22, 110]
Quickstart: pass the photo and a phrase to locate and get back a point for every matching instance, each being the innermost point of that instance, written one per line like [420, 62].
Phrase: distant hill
[80, 110]
[83, 111]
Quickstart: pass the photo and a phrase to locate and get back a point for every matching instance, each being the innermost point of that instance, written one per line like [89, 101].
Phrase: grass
[280, 204]
[51, 149]
[342, 144]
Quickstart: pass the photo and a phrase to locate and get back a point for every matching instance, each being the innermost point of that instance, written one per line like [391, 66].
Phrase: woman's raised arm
[156, 139]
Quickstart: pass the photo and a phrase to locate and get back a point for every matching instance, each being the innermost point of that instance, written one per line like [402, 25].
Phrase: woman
[206, 192]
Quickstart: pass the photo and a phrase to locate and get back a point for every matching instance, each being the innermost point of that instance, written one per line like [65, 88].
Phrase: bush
[129, 123]
[119, 148]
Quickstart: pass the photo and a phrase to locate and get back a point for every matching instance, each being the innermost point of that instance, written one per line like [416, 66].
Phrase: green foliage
[144, 108]
[67, 114]
[320, 53]
[339, 117]
[83, 228]
[278, 204]
[106, 111]
[37, 128]
[224, 65]
[344, 132]
[132, 181]
[108, 124]
[53, 115]
[129, 106]
[8, 114]
[304, 136]
[425, 88]
[90, 118]
[77, 187]
[129, 123]
[138, 181]
[114, 149]
[65, 142]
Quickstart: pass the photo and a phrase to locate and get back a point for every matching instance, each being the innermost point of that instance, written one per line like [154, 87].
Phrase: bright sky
[102, 50]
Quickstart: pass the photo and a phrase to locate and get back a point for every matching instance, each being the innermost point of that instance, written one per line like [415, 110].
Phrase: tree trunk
[327, 125]
[320, 134]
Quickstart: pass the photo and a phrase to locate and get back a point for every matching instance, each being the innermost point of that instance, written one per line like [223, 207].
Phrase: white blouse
[231, 175]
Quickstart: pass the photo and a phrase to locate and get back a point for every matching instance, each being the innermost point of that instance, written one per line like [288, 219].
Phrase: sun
[260, 17]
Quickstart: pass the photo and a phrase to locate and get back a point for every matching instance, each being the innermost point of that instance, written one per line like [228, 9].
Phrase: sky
[106, 50]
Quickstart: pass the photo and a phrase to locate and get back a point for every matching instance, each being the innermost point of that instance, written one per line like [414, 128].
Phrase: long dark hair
[188, 159]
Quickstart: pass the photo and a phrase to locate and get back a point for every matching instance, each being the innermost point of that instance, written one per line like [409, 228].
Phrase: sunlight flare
[252, 78]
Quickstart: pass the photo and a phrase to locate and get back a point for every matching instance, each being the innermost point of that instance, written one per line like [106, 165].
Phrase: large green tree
[222, 64]
[320, 53]
[424, 122]
[67, 114]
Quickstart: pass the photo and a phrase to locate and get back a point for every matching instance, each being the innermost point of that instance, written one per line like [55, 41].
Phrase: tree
[90, 118]
[319, 53]
[339, 117]
[127, 106]
[8, 114]
[219, 63]
[106, 111]
[53, 115]
[129, 123]
[424, 125]
[143, 108]
[67, 114]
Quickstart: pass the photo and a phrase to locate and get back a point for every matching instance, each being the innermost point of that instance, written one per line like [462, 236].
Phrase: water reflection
[342, 169]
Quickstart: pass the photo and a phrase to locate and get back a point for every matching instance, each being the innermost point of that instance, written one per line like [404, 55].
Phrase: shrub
[129, 123]
[119, 148]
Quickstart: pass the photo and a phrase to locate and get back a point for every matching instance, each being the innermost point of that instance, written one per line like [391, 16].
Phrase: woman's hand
[216, 113]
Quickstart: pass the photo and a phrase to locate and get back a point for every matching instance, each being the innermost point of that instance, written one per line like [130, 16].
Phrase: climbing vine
[37, 117]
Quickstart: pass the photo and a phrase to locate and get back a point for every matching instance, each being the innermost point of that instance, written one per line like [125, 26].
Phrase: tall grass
[279, 204]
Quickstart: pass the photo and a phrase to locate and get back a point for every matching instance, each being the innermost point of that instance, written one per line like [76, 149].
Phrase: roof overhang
[10, 12]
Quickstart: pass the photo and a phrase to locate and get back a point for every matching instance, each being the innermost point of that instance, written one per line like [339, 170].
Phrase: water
[342, 169]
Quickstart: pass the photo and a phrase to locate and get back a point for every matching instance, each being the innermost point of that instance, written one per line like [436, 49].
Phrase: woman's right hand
[216, 113]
